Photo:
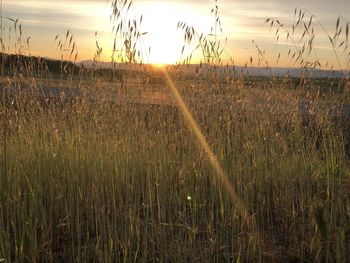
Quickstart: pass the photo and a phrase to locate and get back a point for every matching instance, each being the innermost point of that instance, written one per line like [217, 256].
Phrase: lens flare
[220, 175]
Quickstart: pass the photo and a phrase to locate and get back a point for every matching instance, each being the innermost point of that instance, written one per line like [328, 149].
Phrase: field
[100, 180]
[186, 163]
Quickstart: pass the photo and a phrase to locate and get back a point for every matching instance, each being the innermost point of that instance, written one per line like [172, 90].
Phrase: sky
[242, 22]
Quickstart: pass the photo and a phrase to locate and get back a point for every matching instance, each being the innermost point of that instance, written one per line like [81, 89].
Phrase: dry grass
[109, 176]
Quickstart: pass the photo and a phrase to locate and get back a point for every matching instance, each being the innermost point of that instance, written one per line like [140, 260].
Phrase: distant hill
[267, 72]
[28, 65]
[14, 63]
[251, 71]
[90, 64]
[294, 72]
[23, 64]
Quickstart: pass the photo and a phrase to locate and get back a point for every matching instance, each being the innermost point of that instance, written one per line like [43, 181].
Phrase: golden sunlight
[163, 37]
[159, 66]
[163, 42]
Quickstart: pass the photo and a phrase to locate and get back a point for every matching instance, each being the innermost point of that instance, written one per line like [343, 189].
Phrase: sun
[163, 37]
[159, 65]
[162, 42]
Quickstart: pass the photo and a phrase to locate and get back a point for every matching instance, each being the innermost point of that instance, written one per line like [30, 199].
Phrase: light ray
[219, 175]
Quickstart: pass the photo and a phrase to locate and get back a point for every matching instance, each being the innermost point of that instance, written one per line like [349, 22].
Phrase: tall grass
[96, 179]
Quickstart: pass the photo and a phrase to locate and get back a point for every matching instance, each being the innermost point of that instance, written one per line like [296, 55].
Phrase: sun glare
[163, 37]
[163, 40]
[159, 66]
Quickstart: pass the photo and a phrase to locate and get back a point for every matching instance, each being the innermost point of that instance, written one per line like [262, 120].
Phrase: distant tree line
[15, 64]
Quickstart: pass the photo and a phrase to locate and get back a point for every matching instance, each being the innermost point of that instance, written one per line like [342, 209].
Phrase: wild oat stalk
[209, 45]
[127, 46]
[302, 27]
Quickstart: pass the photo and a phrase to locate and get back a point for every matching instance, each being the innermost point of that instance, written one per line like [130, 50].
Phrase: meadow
[90, 178]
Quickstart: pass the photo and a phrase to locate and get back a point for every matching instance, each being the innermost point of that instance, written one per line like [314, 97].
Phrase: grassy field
[120, 172]
[101, 181]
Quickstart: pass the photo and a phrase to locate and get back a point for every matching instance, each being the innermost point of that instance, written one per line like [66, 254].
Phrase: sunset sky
[242, 22]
